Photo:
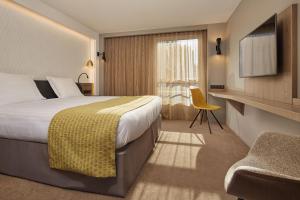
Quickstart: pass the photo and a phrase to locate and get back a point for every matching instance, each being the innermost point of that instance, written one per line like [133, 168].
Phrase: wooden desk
[239, 99]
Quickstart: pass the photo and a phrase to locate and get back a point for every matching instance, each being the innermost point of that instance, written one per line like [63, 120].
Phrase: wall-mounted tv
[258, 51]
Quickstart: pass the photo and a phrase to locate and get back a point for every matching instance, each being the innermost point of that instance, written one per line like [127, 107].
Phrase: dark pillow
[45, 89]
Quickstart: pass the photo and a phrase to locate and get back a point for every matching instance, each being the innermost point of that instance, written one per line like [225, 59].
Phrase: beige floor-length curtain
[129, 66]
[181, 63]
[162, 64]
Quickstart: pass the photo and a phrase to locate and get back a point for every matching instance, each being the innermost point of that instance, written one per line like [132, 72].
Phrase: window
[177, 70]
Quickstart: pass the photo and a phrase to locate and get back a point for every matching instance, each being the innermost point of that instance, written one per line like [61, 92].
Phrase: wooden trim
[294, 50]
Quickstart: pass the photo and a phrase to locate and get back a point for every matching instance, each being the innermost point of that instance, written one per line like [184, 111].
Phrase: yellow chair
[200, 104]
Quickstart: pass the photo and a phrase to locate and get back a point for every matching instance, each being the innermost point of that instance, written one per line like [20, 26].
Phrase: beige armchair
[270, 171]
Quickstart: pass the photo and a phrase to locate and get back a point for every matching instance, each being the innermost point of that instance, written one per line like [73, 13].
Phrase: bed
[24, 151]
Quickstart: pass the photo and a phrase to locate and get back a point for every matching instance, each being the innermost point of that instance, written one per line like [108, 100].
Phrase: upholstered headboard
[46, 89]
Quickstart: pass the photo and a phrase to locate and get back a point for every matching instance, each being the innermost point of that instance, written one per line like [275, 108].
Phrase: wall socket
[217, 87]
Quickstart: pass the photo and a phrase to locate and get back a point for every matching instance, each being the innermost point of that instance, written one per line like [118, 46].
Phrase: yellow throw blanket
[82, 139]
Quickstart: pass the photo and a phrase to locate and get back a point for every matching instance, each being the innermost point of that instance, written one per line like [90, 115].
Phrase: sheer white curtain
[180, 63]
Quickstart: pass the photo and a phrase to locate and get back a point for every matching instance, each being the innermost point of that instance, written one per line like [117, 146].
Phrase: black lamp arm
[87, 76]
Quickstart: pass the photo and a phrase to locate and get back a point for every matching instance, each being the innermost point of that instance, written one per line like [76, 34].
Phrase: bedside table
[87, 88]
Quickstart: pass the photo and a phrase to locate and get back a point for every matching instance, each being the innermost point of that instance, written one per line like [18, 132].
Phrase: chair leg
[217, 120]
[195, 118]
[208, 122]
[202, 118]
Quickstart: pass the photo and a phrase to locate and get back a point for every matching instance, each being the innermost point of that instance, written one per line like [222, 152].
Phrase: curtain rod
[156, 31]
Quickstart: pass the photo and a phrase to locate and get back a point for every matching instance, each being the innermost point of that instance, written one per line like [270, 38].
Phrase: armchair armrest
[274, 157]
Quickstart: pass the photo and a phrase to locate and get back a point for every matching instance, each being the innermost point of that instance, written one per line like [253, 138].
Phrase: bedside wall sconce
[103, 55]
[218, 47]
[89, 63]
[78, 80]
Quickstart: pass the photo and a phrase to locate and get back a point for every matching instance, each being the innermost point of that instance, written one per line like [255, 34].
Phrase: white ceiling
[111, 16]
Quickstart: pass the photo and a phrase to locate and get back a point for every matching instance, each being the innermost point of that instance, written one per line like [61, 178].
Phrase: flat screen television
[258, 51]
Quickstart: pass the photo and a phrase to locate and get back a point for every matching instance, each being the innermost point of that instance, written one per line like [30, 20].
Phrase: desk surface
[282, 109]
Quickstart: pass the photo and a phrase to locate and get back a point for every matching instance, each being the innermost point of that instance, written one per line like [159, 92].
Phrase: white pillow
[64, 87]
[16, 88]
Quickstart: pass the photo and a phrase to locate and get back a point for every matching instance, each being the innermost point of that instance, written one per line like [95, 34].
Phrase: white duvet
[29, 121]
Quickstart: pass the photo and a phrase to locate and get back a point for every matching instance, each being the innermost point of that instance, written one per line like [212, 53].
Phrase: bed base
[29, 160]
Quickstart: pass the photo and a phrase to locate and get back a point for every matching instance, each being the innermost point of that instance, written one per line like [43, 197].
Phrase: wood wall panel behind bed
[282, 87]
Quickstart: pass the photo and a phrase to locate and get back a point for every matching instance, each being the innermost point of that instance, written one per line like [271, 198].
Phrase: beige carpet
[187, 164]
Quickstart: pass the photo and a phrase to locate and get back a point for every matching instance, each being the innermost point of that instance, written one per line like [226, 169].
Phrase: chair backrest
[197, 97]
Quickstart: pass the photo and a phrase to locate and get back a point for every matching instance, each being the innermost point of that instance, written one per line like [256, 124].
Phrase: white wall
[216, 65]
[248, 15]
[43, 9]
[33, 42]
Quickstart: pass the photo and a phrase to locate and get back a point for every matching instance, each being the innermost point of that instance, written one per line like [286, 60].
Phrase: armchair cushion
[273, 161]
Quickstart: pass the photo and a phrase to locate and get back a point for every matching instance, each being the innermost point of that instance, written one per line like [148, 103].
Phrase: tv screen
[258, 51]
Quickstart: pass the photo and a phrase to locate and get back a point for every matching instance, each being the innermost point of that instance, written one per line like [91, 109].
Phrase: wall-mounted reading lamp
[218, 47]
[103, 55]
[78, 80]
